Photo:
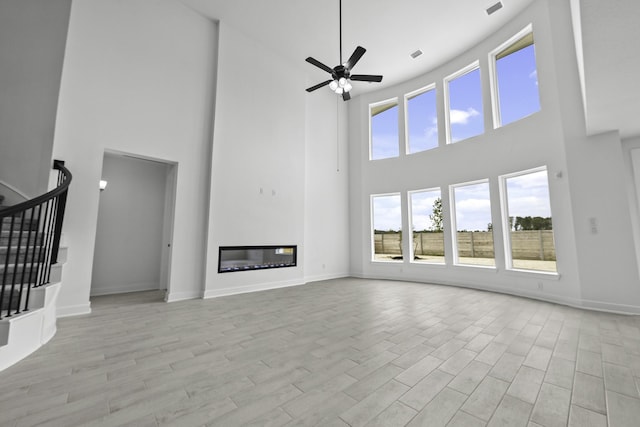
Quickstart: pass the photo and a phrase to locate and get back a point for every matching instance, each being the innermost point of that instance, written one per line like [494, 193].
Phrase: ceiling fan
[341, 76]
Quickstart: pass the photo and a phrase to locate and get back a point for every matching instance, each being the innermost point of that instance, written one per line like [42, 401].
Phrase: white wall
[586, 178]
[327, 190]
[631, 154]
[273, 162]
[138, 78]
[32, 42]
[128, 248]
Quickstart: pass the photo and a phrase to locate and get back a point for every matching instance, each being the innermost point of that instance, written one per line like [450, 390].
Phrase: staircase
[31, 261]
[19, 266]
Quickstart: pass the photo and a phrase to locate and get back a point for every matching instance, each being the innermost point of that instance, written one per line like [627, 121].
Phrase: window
[473, 236]
[422, 120]
[464, 104]
[527, 214]
[386, 214]
[427, 226]
[384, 130]
[515, 79]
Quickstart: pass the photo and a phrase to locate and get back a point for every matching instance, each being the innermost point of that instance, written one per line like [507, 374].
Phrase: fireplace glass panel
[243, 258]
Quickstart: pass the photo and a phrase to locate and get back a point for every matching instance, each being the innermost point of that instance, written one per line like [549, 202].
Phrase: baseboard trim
[320, 278]
[215, 293]
[610, 307]
[555, 299]
[181, 296]
[130, 287]
[74, 310]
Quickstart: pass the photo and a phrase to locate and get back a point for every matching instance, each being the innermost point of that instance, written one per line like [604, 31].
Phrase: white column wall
[274, 178]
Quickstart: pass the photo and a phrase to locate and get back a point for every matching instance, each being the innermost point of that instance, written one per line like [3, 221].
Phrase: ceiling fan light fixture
[340, 81]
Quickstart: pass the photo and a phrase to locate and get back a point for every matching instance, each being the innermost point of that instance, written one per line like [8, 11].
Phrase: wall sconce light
[103, 184]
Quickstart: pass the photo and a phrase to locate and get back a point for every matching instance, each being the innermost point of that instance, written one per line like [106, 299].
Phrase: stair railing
[31, 233]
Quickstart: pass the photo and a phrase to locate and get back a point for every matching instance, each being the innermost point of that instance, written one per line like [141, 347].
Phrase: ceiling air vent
[417, 53]
[496, 7]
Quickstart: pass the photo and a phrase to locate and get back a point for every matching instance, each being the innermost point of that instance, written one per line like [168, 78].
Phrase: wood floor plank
[344, 352]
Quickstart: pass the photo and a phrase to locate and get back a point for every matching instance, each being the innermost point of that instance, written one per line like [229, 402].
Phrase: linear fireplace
[244, 258]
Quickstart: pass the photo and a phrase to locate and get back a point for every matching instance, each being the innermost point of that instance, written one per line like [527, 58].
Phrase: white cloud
[461, 117]
[387, 214]
[421, 208]
[534, 75]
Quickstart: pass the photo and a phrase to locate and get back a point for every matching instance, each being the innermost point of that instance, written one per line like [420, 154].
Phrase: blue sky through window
[517, 78]
[384, 134]
[421, 208]
[465, 106]
[387, 213]
[528, 195]
[473, 207]
[422, 122]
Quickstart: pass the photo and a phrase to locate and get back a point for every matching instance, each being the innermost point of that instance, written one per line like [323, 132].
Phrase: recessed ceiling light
[494, 8]
[417, 53]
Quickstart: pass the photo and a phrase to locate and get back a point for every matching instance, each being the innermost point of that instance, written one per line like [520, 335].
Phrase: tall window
[527, 213]
[515, 80]
[473, 237]
[422, 120]
[427, 225]
[386, 214]
[464, 97]
[384, 130]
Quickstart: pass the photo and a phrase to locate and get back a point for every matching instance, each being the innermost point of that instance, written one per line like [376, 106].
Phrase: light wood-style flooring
[346, 352]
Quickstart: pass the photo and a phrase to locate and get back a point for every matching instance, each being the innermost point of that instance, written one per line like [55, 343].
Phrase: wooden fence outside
[534, 244]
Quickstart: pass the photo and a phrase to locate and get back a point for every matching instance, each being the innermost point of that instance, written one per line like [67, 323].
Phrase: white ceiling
[391, 31]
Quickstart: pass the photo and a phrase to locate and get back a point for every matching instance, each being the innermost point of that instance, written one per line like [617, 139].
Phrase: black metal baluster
[26, 258]
[51, 239]
[43, 242]
[15, 267]
[33, 252]
[60, 208]
[6, 269]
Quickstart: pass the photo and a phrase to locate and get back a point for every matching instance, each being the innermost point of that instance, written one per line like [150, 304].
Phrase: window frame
[504, 211]
[409, 96]
[493, 75]
[454, 222]
[376, 104]
[475, 65]
[410, 222]
[372, 230]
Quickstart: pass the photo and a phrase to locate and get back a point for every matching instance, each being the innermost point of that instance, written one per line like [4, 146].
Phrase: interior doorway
[135, 225]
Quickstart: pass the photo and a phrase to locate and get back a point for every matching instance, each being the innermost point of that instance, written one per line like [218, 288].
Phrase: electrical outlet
[593, 225]
[540, 286]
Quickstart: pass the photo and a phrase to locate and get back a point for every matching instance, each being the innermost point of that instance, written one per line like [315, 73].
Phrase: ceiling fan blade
[355, 57]
[318, 86]
[346, 96]
[319, 64]
[366, 78]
